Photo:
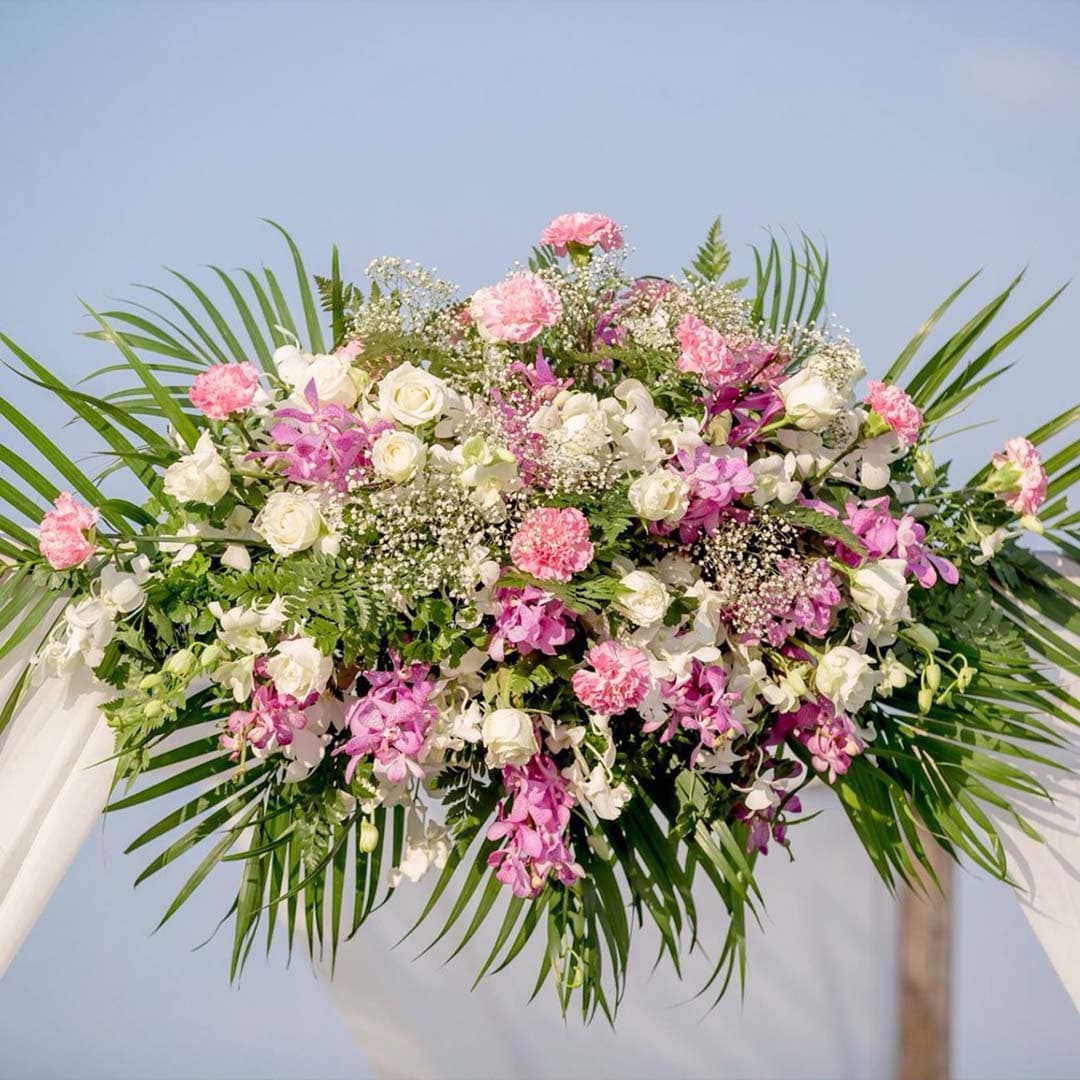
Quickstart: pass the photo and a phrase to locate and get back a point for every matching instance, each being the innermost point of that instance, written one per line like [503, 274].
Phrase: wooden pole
[925, 963]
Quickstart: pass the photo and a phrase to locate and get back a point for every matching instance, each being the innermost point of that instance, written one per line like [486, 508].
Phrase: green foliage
[944, 755]
[712, 259]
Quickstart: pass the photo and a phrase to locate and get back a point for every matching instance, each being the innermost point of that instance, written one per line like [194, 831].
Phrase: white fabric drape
[808, 970]
[51, 789]
[1048, 875]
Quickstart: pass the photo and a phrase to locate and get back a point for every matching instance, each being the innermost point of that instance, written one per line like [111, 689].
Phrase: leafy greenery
[320, 849]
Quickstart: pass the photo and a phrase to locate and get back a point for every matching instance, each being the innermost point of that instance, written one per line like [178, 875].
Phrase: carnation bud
[153, 709]
[1032, 524]
[180, 663]
[932, 676]
[925, 469]
[369, 836]
[211, 655]
[922, 636]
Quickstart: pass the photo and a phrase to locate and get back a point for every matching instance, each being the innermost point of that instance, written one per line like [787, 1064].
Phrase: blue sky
[921, 141]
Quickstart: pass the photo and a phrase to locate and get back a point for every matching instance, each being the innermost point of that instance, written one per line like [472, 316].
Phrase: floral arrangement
[564, 591]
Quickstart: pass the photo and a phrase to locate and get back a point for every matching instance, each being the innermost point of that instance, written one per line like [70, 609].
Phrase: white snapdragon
[893, 675]
[88, 625]
[660, 496]
[880, 591]
[643, 432]
[291, 521]
[846, 677]
[201, 476]
[774, 476]
[810, 401]
[397, 456]
[576, 425]
[336, 380]
[309, 743]
[427, 844]
[645, 599]
[509, 737]
[298, 668]
[596, 792]
[242, 628]
[412, 396]
[237, 529]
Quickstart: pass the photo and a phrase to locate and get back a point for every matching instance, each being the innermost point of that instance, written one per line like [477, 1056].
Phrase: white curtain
[52, 788]
[808, 973]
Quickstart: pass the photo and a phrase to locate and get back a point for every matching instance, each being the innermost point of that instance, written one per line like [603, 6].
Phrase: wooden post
[925, 962]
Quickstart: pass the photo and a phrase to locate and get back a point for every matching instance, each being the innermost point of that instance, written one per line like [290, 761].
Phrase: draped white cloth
[826, 914]
[51, 789]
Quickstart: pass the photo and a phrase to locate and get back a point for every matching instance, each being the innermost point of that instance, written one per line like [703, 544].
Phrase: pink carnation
[552, 544]
[516, 309]
[587, 230]
[896, 408]
[619, 679]
[704, 351]
[1020, 467]
[62, 536]
[224, 389]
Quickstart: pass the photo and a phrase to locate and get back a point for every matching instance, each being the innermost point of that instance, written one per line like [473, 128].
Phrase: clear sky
[921, 141]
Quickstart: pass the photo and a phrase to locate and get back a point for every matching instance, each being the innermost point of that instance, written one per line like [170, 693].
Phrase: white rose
[335, 380]
[881, 591]
[397, 456]
[201, 476]
[810, 401]
[509, 737]
[660, 496]
[846, 678]
[298, 668]
[411, 396]
[289, 522]
[646, 602]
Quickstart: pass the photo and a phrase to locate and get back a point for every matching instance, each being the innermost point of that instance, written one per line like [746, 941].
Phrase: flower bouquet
[563, 592]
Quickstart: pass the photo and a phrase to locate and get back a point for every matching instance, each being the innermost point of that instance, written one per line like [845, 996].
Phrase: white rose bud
[509, 736]
[201, 476]
[411, 396]
[660, 496]
[810, 401]
[289, 522]
[647, 600]
[335, 380]
[397, 456]
[846, 678]
[298, 668]
[881, 591]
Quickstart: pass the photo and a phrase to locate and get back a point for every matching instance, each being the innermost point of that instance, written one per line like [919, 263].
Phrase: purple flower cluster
[391, 721]
[699, 703]
[715, 479]
[323, 444]
[271, 719]
[831, 737]
[529, 619]
[887, 537]
[534, 828]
